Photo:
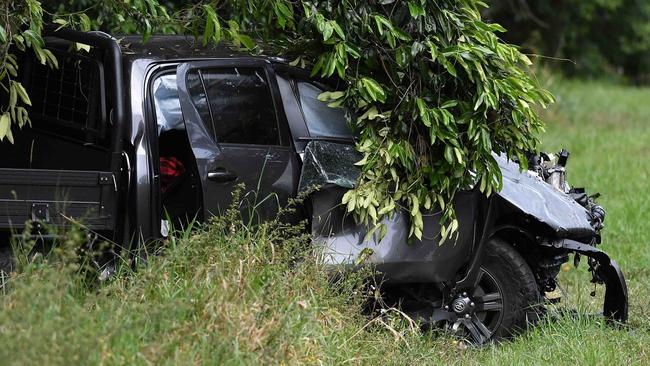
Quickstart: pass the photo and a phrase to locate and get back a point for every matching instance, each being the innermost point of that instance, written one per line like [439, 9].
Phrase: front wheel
[504, 299]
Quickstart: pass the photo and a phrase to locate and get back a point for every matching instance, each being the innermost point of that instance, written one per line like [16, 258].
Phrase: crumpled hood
[534, 197]
[328, 163]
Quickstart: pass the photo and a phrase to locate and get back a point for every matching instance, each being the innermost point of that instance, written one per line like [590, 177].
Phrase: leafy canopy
[434, 90]
[573, 30]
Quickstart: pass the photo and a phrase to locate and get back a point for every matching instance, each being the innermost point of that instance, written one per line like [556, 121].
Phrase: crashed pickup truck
[129, 139]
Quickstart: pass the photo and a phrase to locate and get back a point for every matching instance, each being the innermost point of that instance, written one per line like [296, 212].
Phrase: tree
[433, 90]
[600, 37]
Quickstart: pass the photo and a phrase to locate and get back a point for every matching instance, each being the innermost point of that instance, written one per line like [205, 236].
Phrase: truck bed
[57, 197]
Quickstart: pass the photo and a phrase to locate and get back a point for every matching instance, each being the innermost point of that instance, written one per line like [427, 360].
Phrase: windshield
[322, 120]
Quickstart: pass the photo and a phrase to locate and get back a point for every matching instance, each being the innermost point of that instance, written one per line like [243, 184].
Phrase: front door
[239, 135]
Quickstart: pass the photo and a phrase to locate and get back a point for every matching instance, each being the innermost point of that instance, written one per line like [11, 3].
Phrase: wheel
[504, 300]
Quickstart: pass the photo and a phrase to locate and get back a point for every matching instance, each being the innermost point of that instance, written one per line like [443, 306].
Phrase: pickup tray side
[53, 196]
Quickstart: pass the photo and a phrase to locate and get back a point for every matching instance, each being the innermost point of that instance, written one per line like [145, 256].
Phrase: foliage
[22, 23]
[600, 37]
[433, 90]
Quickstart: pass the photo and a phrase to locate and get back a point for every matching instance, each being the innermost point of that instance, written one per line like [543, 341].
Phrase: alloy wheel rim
[481, 322]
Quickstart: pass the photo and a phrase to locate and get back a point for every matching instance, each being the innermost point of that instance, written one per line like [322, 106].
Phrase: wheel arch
[522, 240]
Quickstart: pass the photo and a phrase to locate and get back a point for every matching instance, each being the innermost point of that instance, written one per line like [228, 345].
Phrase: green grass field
[229, 296]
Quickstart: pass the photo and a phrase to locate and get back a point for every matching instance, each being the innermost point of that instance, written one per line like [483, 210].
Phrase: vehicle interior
[177, 171]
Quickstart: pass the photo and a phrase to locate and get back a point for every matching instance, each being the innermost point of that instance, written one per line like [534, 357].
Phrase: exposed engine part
[547, 269]
[596, 211]
[552, 169]
[598, 216]
[557, 178]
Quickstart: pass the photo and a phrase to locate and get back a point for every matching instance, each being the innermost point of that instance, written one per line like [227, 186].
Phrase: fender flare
[615, 307]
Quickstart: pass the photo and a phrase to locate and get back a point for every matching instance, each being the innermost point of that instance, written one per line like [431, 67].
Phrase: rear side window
[235, 104]
[322, 120]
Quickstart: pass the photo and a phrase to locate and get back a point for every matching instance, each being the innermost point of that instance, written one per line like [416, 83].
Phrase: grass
[229, 295]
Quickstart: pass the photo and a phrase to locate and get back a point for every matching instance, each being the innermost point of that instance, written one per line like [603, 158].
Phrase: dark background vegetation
[600, 38]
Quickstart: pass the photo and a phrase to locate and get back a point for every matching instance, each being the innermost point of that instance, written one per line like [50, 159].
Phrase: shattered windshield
[329, 163]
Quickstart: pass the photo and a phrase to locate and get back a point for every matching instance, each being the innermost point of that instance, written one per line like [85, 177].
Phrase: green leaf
[4, 125]
[415, 9]
[297, 61]
[60, 21]
[247, 41]
[21, 92]
[365, 253]
[283, 13]
[329, 96]
[13, 96]
[338, 29]
[211, 23]
[82, 47]
[233, 26]
[84, 22]
[3, 34]
[51, 59]
[20, 114]
[327, 31]
[449, 67]
[33, 39]
[424, 112]
[374, 90]
[449, 104]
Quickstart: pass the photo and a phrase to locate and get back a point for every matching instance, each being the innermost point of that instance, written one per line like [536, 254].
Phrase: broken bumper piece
[605, 271]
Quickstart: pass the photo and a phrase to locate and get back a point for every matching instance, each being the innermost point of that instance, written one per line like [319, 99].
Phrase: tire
[505, 297]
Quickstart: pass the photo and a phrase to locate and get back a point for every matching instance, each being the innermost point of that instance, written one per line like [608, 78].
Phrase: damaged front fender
[539, 200]
[606, 271]
[568, 220]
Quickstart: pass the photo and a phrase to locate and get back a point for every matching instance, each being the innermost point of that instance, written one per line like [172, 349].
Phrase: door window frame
[183, 69]
[289, 77]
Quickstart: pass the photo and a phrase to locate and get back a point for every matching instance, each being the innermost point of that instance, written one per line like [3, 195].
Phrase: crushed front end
[573, 222]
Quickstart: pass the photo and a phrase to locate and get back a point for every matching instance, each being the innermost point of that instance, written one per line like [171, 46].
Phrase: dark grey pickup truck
[129, 139]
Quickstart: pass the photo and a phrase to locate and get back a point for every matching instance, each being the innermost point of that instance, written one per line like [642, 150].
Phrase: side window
[235, 104]
[168, 107]
[322, 120]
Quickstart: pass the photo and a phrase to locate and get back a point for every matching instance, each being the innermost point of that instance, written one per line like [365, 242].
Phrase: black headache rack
[43, 185]
[114, 73]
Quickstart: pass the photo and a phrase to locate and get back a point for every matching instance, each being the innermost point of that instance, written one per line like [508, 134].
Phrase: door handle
[222, 175]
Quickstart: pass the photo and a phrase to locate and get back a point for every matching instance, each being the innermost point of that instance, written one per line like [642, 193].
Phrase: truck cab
[223, 119]
[131, 139]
